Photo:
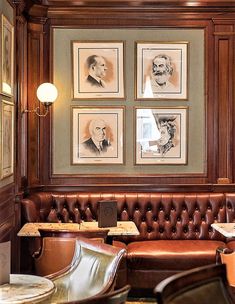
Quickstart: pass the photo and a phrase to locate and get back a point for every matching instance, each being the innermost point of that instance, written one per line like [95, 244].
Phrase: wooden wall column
[21, 76]
[37, 73]
[21, 124]
[224, 83]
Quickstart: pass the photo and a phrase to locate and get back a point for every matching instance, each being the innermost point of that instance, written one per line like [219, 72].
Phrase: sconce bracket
[37, 111]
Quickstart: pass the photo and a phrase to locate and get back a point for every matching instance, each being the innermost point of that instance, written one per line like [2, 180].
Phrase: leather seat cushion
[171, 254]
[119, 244]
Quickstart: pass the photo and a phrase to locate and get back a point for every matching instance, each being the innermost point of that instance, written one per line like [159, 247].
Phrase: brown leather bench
[175, 228]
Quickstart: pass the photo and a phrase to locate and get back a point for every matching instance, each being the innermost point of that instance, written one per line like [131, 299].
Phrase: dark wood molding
[147, 187]
[209, 4]
[163, 10]
[127, 180]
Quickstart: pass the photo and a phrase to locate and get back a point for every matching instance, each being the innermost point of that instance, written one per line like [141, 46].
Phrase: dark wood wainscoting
[9, 222]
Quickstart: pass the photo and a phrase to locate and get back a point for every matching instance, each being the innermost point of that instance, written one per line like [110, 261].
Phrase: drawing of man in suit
[97, 143]
[97, 68]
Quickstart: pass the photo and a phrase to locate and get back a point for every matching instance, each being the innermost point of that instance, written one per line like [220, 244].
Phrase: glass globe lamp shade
[47, 93]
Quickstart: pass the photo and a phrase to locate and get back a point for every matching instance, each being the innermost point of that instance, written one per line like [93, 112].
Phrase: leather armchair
[227, 256]
[55, 254]
[91, 272]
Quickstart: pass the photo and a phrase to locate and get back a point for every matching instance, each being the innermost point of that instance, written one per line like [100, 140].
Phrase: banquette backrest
[157, 215]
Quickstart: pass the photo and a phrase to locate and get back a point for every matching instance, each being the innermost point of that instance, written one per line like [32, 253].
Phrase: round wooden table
[26, 289]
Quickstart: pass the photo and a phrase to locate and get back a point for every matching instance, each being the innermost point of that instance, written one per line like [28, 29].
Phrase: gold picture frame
[161, 135]
[98, 69]
[7, 56]
[97, 135]
[161, 70]
[7, 138]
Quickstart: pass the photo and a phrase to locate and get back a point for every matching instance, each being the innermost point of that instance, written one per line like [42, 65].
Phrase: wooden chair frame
[204, 285]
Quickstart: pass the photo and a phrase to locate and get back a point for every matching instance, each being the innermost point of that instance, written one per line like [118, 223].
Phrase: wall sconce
[47, 94]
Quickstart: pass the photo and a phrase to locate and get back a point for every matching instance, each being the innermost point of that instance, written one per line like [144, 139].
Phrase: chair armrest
[224, 250]
[29, 211]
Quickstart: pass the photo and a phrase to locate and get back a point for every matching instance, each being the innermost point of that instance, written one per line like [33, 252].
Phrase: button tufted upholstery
[157, 216]
[174, 227]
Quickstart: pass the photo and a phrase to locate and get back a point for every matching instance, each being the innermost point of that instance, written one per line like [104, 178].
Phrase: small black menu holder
[107, 213]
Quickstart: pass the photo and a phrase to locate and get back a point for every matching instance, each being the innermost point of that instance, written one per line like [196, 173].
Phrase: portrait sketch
[161, 135]
[161, 70]
[7, 57]
[7, 139]
[97, 135]
[98, 69]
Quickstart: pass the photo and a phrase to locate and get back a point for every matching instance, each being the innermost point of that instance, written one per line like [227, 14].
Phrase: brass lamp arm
[37, 111]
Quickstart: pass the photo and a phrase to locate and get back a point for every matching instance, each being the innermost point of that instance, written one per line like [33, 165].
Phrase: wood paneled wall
[9, 206]
[9, 222]
[217, 18]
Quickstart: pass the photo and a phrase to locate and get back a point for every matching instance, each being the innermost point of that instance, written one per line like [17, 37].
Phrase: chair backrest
[56, 253]
[57, 248]
[92, 271]
[118, 296]
[227, 257]
[204, 285]
[97, 234]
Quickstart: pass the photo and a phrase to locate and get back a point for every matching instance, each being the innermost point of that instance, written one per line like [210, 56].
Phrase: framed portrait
[97, 135]
[7, 59]
[7, 138]
[161, 70]
[161, 135]
[98, 69]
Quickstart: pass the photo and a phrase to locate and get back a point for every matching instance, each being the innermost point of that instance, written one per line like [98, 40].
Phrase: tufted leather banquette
[175, 228]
